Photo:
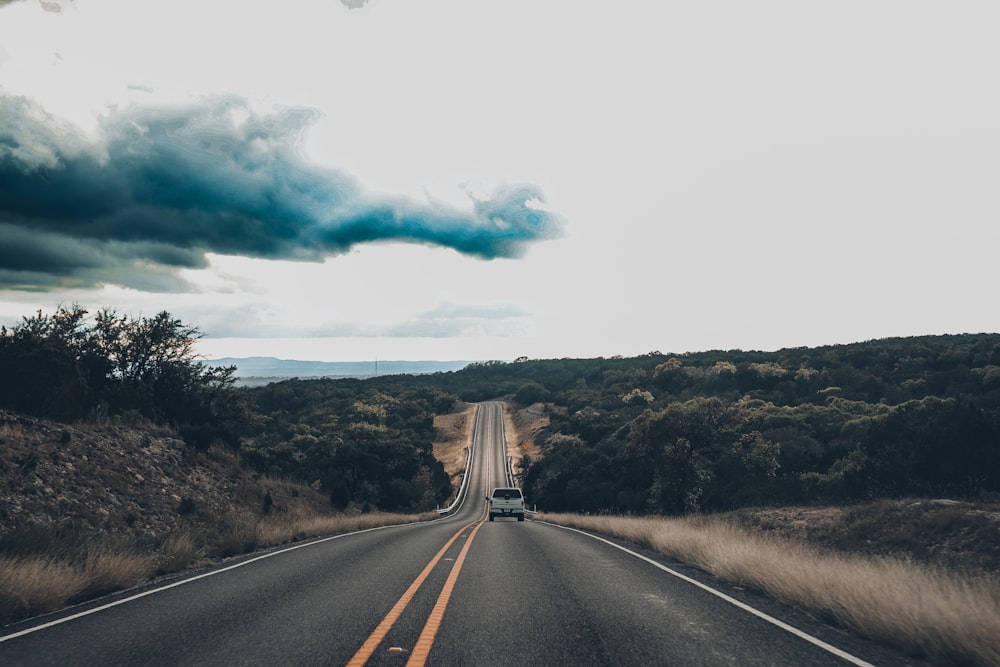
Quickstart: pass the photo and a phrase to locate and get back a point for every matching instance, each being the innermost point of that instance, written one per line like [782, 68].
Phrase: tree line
[727, 429]
[365, 445]
[658, 433]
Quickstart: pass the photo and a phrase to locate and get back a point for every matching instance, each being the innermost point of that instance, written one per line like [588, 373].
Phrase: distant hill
[250, 369]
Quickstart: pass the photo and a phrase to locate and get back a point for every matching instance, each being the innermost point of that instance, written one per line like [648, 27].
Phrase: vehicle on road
[506, 501]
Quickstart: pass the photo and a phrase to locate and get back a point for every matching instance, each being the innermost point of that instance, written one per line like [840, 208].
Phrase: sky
[344, 180]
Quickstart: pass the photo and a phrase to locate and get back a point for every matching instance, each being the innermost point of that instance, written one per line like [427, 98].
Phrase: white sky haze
[567, 178]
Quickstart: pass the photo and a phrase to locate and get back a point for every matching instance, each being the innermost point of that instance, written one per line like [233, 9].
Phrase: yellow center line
[376, 637]
[424, 643]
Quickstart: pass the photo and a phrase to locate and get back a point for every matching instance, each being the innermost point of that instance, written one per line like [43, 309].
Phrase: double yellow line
[424, 643]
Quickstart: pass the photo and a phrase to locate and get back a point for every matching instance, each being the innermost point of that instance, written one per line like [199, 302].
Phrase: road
[455, 591]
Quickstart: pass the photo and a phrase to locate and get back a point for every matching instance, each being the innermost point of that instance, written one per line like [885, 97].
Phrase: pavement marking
[429, 632]
[424, 643]
[844, 655]
[379, 633]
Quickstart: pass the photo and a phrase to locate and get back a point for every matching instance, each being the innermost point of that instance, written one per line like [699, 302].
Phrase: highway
[455, 591]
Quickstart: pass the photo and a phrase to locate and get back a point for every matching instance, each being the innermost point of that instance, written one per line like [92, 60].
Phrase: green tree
[531, 393]
[678, 479]
[64, 366]
[47, 364]
[757, 454]
[931, 446]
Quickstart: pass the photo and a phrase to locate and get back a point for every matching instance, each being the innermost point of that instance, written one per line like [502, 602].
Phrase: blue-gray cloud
[164, 186]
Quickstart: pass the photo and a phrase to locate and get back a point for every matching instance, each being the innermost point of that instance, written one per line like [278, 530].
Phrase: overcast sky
[466, 180]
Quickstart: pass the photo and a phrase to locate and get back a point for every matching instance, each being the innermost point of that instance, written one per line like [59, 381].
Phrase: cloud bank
[162, 187]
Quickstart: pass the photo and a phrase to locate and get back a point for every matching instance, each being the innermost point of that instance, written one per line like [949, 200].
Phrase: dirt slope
[126, 480]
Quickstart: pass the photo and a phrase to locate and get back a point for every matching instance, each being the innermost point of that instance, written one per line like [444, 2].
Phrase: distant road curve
[455, 591]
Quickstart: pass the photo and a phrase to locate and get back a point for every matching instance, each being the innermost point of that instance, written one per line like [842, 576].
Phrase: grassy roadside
[951, 618]
[87, 509]
[52, 570]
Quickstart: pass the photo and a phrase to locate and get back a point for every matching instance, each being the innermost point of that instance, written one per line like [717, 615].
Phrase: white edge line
[745, 607]
[72, 617]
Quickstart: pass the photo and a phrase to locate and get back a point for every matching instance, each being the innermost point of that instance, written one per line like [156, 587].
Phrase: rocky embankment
[131, 481]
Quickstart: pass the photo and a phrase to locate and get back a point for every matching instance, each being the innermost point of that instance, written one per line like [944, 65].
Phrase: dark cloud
[164, 186]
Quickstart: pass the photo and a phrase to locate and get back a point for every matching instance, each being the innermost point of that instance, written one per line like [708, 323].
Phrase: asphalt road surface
[455, 591]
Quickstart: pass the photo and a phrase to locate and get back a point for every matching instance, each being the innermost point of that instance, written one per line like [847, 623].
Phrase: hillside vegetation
[364, 447]
[716, 431]
[663, 434]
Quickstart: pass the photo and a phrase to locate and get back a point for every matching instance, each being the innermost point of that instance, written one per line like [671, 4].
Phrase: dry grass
[243, 532]
[114, 569]
[280, 530]
[948, 618]
[957, 536]
[36, 585]
[19, 433]
[177, 553]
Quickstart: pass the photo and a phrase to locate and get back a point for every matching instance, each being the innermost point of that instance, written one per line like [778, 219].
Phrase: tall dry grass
[107, 570]
[948, 618]
[36, 585]
[31, 586]
[178, 552]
